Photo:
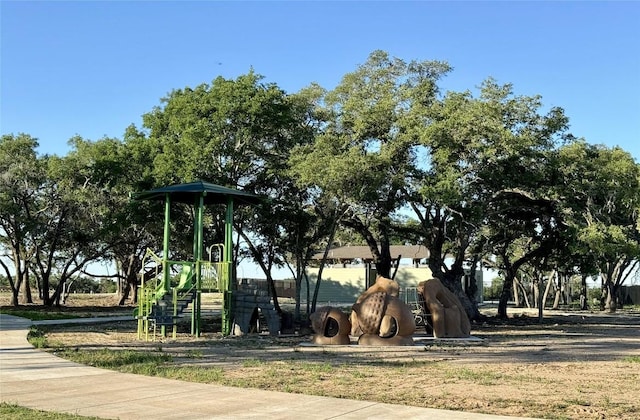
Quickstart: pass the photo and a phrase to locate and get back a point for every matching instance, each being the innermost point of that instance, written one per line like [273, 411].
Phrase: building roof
[352, 252]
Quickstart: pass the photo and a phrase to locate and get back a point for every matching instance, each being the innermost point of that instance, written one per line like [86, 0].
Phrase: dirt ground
[572, 365]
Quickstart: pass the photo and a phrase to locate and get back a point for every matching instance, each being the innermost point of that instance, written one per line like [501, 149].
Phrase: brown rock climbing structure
[331, 326]
[447, 314]
[379, 318]
[382, 284]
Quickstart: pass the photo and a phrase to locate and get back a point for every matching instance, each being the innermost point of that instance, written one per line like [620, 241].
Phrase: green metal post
[228, 258]
[166, 278]
[198, 244]
[194, 323]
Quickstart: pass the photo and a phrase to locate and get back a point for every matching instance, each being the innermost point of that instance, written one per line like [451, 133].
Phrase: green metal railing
[191, 280]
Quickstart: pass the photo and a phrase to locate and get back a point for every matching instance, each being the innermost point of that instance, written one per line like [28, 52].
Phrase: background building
[350, 271]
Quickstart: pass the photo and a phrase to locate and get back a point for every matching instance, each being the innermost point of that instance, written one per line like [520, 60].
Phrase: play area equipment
[421, 315]
[448, 318]
[177, 285]
[331, 325]
[385, 321]
[380, 318]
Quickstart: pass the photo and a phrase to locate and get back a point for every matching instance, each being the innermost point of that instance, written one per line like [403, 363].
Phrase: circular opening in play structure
[393, 329]
[331, 328]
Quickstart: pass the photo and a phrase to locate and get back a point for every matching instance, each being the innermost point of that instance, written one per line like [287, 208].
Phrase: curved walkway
[39, 380]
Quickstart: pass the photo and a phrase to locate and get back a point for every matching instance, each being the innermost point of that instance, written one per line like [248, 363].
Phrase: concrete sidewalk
[36, 379]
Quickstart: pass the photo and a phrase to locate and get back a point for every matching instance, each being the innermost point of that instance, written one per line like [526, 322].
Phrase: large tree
[363, 156]
[525, 230]
[601, 194]
[23, 174]
[292, 223]
[60, 214]
[473, 150]
[77, 223]
[237, 133]
[118, 168]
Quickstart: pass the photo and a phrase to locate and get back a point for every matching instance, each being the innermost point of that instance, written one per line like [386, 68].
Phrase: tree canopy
[480, 178]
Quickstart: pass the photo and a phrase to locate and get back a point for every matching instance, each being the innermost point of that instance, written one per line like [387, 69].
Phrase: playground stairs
[162, 308]
[164, 313]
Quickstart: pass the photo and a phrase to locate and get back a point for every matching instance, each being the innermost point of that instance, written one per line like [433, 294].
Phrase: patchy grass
[81, 305]
[16, 412]
[37, 338]
[252, 363]
[479, 377]
[126, 360]
[150, 363]
[496, 389]
[36, 314]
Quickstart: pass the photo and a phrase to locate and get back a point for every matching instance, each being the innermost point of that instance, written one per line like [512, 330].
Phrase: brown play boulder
[382, 319]
[448, 317]
[382, 284]
[331, 326]
[385, 321]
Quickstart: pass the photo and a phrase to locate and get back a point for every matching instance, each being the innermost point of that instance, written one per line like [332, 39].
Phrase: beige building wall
[343, 285]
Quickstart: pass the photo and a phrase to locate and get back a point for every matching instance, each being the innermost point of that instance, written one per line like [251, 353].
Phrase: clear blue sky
[92, 68]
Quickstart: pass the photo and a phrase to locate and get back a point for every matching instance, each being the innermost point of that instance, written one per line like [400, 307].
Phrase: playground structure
[448, 318]
[421, 315]
[177, 285]
[331, 326]
[378, 318]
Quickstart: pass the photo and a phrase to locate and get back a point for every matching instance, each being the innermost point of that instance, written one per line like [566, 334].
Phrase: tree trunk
[567, 290]
[296, 311]
[471, 287]
[14, 297]
[547, 288]
[15, 285]
[525, 295]
[539, 295]
[124, 293]
[453, 283]
[130, 268]
[610, 302]
[507, 288]
[55, 299]
[15, 290]
[396, 267]
[557, 295]
[332, 235]
[27, 287]
[306, 279]
[583, 294]
[516, 294]
[274, 293]
[556, 299]
[383, 267]
[26, 292]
